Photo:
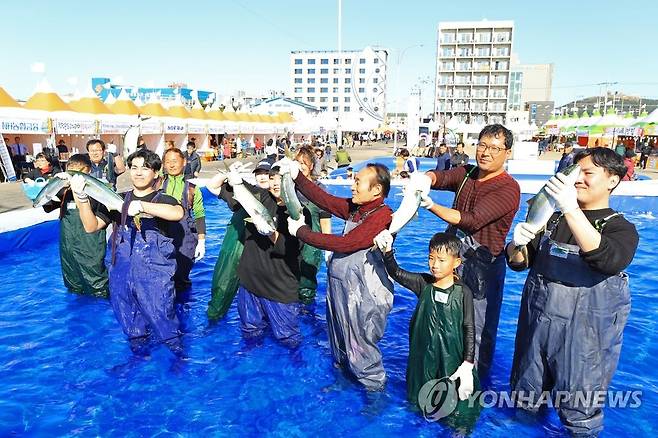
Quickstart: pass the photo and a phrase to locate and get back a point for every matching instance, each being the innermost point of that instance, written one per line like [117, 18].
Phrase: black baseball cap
[263, 166]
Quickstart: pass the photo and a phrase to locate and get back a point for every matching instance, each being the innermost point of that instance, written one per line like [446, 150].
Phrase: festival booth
[31, 126]
[175, 126]
[584, 125]
[604, 131]
[154, 118]
[124, 115]
[232, 124]
[216, 120]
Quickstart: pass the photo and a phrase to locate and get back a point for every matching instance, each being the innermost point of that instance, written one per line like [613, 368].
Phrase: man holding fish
[360, 294]
[576, 299]
[486, 200]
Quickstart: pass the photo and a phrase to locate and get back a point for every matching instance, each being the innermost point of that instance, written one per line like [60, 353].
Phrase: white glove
[200, 250]
[564, 195]
[421, 182]
[214, 186]
[384, 241]
[63, 175]
[288, 165]
[234, 178]
[523, 234]
[327, 256]
[426, 201]
[77, 184]
[465, 375]
[112, 148]
[135, 208]
[295, 225]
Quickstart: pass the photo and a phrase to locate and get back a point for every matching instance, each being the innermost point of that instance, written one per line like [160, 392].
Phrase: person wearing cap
[567, 157]
[225, 281]
[269, 267]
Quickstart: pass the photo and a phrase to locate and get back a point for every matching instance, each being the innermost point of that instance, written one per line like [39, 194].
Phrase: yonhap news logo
[438, 398]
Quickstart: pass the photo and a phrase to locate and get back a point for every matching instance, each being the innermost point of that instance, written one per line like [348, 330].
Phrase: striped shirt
[487, 208]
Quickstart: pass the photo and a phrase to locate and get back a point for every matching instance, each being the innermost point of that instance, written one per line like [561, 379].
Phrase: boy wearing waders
[143, 254]
[486, 200]
[82, 255]
[269, 265]
[576, 299]
[359, 293]
[190, 233]
[442, 331]
[225, 281]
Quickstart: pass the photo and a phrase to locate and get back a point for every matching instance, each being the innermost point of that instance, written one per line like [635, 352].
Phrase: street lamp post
[339, 132]
[397, 83]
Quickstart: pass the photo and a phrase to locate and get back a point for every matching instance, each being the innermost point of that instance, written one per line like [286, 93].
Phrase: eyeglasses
[495, 150]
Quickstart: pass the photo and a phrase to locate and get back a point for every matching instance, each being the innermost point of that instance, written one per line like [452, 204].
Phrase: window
[311, 99]
[323, 99]
[324, 80]
[348, 71]
[324, 61]
[346, 109]
[298, 71]
[336, 71]
[361, 80]
[298, 89]
[336, 61]
[362, 60]
[348, 80]
[348, 89]
[362, 90]
[374, 80]
[324, 90]
[365, 99]
[335, 99]
[348, 61]
[310, 71]
[347, 99]
[335, 80]
[323, 108]
[311, 61]
[376, 61]
[310, 80]
[298, 61]
[362, 71]
[334, 109]
[298, 80]
[310, 90]
[324, 71]
[335, 89]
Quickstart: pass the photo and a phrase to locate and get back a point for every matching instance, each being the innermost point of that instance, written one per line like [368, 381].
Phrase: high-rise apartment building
[352, 83]
[473, 71]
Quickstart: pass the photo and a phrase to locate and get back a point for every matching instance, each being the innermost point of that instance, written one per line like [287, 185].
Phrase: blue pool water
[66, 369]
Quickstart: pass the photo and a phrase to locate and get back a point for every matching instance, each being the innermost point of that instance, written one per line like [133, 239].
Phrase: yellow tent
[91, 105]
[243, 117]
[230, 115]
[154, 109]
[6, 100]
[179, 111]
[286, 118]
[216, 115]
[124, 107]
[198, 113]
[46, 102]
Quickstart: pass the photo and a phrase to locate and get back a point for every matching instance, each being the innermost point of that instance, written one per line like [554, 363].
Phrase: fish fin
[249, 220]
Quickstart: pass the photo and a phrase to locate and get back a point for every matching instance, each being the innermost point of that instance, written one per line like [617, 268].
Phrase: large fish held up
[407, 210]
[259, 215]
[99, 191]
[289, 195]
[130, 140]
[49, 191]
[542, 206]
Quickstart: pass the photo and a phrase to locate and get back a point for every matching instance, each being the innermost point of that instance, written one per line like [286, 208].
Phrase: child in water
[442, 329]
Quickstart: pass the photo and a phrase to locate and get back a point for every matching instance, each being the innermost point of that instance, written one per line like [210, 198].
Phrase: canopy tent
[610, 120]
[124, 105]
[6, 101]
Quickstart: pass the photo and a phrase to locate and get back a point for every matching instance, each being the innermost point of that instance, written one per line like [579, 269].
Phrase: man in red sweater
[486, 200]
[359, 294]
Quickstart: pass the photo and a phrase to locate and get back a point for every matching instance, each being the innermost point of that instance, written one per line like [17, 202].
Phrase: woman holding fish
[576, 299]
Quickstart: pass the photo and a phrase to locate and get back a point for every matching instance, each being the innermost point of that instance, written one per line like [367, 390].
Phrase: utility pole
[339, 132]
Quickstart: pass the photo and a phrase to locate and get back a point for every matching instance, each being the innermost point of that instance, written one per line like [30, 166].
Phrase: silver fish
[49, 191]
[289, 195]
[130, 140]
[256, 210]
[542, 206]
[406, 211]
[99, 191]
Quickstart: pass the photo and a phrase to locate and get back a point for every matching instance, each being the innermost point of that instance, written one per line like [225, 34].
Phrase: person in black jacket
[269, 268]
[442, 329]
[193, 166]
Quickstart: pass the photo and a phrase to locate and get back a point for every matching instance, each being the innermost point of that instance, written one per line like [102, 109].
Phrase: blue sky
[244, 44]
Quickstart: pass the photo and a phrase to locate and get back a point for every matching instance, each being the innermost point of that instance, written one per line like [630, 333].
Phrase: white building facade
[350, 85]
[474, 60]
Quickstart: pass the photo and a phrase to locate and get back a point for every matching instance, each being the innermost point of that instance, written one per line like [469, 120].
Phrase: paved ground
[13, 198]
